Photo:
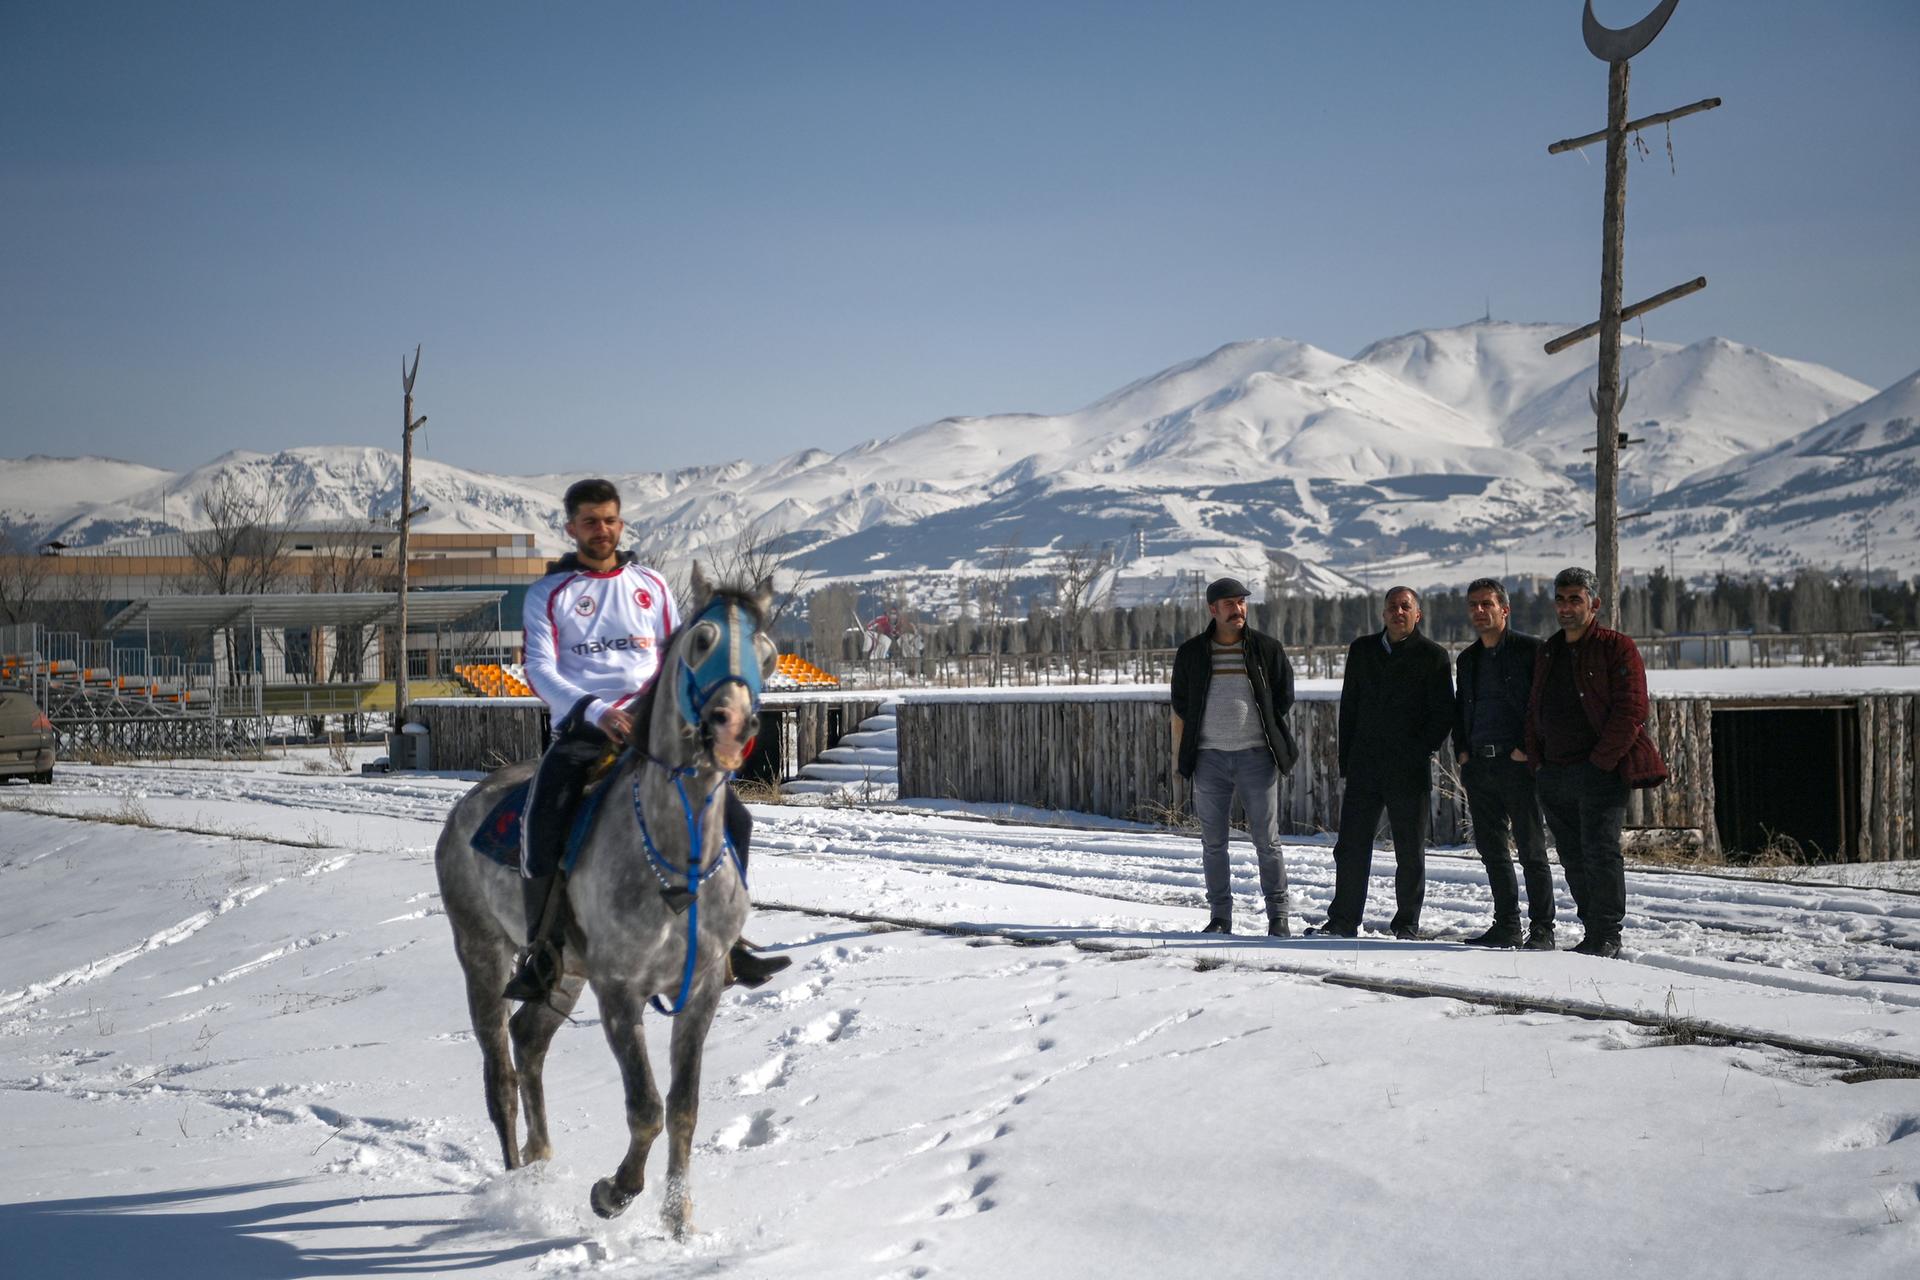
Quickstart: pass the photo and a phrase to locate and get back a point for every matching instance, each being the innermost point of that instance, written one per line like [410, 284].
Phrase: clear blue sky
[644, 236]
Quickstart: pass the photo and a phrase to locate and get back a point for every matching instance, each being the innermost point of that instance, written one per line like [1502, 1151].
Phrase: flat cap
[1226, 589]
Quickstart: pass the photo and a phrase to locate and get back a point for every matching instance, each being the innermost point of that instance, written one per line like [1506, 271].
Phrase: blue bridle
[732, 661]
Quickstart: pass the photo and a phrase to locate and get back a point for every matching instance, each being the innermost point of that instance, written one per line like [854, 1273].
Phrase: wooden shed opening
[1787, 777]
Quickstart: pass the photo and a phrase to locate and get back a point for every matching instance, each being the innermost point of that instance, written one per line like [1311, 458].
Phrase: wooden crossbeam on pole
[1633, 126]
[1640, 308]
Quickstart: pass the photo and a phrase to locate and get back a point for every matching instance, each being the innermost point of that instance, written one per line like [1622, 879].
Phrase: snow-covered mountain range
[1430, 457]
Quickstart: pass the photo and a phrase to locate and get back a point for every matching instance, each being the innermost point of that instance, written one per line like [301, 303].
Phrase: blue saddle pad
[498, 837]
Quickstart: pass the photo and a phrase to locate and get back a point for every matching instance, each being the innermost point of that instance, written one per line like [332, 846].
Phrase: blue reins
[694, 871]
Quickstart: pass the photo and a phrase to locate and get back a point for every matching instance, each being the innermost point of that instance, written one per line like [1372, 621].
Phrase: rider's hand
[617, 725]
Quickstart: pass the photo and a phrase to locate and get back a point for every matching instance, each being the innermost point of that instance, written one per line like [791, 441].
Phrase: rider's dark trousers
[557, 787]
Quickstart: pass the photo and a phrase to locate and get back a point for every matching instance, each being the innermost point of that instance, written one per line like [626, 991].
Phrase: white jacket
[596, 635]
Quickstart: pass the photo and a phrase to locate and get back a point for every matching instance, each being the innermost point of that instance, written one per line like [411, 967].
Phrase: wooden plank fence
[1113, 755]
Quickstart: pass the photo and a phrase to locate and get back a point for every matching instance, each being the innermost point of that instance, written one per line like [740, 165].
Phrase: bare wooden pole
[409, 425]
[1606, 457]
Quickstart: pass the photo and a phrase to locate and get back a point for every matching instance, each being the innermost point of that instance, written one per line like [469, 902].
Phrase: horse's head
[716, 668]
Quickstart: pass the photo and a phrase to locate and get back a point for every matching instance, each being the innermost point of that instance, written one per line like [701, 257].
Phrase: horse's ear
[763, 596]
[701, 587]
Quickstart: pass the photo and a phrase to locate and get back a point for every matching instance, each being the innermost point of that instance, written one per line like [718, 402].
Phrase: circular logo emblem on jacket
[643, 597]
[584, 606]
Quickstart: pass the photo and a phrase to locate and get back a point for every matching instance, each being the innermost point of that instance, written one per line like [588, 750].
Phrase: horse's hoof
[608, 1200]
[676, 1214]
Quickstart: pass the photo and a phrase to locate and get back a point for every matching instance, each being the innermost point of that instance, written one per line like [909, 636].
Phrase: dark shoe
[535, 978]
[1539, 938]
[1501, 935]
[1219, 924]
[1605, 948]
[1406, 933]
[1277, 927]
[1332, 930]
[751, 969]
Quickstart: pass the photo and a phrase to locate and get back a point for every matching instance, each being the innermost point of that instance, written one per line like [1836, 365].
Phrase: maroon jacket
[1612, 683]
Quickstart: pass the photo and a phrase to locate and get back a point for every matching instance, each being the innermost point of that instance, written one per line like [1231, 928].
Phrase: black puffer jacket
[1272, 677]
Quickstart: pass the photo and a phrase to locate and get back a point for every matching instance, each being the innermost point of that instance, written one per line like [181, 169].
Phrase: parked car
[26, 738]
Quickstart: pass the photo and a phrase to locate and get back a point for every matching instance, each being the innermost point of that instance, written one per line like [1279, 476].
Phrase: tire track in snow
[93, 970]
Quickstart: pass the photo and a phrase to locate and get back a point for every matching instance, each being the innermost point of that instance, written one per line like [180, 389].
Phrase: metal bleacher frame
[110, 700]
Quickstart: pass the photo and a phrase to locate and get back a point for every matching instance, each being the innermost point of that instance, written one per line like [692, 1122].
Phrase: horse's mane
[740, 593]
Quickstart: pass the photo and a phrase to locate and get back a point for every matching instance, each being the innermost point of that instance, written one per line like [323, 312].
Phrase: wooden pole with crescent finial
[1616, 48]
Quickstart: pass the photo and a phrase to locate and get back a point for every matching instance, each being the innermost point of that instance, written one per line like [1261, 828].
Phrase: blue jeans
[1216, 779]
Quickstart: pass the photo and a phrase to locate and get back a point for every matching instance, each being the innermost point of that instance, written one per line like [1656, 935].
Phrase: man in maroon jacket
[1587, 740]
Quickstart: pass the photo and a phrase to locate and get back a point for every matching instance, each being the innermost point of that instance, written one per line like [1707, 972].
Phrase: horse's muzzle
[727, 725]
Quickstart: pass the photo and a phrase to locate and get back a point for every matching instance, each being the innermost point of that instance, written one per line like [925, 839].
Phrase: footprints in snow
[1880, 1131]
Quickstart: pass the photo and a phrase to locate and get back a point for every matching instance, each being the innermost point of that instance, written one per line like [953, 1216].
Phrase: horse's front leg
[620, 1009]
[683, 1103]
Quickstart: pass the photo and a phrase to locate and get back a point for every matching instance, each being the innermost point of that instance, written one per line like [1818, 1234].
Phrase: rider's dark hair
[581, 492]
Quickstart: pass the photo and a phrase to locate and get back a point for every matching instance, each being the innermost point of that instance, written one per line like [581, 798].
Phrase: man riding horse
[596, 627]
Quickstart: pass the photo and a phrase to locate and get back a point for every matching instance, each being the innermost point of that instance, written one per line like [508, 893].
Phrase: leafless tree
[995, 596]
[244, 548]
[831, 611]
[1074, 579]
[23, 578]
[75, 598]
[752, 554]
[345, 560]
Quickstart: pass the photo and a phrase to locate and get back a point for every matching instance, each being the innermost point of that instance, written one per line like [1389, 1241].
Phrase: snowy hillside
[1820, 495]
[1427, 456]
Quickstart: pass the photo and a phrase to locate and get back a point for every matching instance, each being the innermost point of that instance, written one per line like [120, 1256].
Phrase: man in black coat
[1396, 708]
[1232, 687]
[1494, 681]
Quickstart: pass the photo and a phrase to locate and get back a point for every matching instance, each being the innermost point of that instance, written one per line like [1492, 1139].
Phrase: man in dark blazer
[1232, 688]
[1493, 680]
[1396, 708]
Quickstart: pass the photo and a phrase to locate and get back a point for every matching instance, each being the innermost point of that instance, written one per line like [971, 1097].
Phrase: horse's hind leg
[620, 1009]
[683, 1107]
[486, 970]
[533, 1027]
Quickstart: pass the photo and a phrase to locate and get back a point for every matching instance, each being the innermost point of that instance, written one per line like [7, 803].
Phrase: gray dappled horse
[623, 938]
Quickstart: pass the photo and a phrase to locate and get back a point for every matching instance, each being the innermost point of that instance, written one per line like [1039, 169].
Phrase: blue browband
[732, 661]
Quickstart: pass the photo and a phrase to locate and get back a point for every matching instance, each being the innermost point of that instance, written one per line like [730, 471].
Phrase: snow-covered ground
[233, 1043]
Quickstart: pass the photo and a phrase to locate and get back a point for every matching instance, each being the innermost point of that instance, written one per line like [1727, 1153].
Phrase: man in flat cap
[1232, 687]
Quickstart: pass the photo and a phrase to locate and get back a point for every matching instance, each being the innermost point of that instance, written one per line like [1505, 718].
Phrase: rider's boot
[748, 968]
[539, 965]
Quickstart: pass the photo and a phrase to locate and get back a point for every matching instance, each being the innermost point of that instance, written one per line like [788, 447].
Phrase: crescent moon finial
[1610, 45]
